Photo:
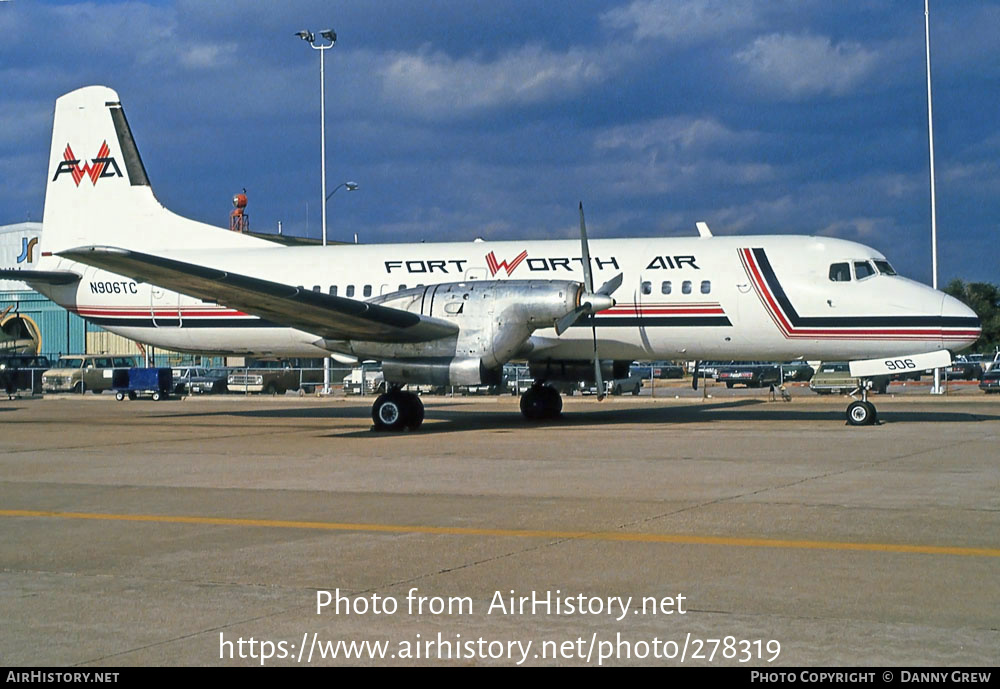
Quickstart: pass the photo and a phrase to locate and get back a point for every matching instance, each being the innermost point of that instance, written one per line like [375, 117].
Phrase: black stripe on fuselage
[657, 322]
[798, 321]
[187, 322]
[609, 321]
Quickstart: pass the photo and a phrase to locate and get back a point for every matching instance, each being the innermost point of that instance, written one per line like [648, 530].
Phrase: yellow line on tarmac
[621, 536]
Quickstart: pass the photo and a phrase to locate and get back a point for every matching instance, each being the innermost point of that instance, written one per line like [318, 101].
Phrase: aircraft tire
[861, 413]
[541, 402]
[389, 412]
[414, 411]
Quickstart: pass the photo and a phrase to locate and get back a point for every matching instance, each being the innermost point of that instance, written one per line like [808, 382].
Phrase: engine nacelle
[495, 320]
[574, 371]
[440, 372]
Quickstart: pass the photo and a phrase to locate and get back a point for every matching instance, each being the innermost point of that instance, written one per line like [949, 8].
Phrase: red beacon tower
[239, 220]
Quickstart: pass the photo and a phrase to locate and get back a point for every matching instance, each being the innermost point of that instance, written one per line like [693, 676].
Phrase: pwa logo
[495, 266]
[27, 250]
[101, 166]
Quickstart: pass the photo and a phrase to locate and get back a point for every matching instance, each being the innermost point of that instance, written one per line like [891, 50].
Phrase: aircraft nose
[961, 325]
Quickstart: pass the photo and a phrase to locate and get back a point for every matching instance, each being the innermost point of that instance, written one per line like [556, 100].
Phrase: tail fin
[98, 192]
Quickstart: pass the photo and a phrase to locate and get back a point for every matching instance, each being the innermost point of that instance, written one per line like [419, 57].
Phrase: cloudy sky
[462, 119]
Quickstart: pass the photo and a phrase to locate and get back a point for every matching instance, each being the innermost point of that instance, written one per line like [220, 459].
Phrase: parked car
[82, 372]
[987, 361]
[797, 371]
[364, 380]
[710, 369]
[22, 372]
[268, 377]
[990, 381]
[211, 382]
[621, 386]
[963, 369]
[753, 374]
[835, 377]
[182, 376]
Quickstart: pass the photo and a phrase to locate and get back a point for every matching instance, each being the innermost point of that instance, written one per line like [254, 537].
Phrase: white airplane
[454, 313]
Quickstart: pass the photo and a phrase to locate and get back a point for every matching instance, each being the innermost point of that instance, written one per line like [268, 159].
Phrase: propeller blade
[609, 287]
[567, 321]
[694, 378]
[601, 392]
[588, 278]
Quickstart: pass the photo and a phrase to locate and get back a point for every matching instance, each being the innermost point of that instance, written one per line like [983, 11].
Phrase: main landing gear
[540, 402]
[862, 412]
[396, 410]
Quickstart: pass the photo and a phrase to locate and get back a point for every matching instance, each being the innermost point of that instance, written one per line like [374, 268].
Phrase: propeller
[591, 302]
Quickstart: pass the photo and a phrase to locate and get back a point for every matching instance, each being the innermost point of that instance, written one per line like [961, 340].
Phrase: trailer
[157, 383]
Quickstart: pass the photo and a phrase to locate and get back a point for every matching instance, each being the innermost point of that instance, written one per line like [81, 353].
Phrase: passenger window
[317, 288]
[840, 272]
[402, 287]
[647, 287]
[686, 287]
[665, 287]
[350, 290]
[368, 290]
[706, 286]
[863, 269]
[333, 290]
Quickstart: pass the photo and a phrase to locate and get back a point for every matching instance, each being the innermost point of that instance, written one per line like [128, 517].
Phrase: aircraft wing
[49, 277]
[335, 318]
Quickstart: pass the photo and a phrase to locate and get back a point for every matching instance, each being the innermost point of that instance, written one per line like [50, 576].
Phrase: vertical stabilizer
[98, 192]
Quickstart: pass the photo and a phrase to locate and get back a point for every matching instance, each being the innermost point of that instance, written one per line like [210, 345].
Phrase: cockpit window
[884, 268]
[840, 272]
[863, 269]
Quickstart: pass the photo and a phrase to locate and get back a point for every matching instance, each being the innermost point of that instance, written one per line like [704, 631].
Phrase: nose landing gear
[862, 412]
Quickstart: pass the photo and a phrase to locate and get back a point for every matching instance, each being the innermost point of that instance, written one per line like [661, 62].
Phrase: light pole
[310, 38]
[936, 389]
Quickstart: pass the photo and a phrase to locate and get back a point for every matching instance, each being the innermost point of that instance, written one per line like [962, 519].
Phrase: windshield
[69, 363]
[884, 268]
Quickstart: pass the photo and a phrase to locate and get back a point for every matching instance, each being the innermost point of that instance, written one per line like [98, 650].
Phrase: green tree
[984, 299]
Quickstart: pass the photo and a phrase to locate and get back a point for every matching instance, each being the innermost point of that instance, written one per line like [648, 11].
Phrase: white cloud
[436, 85]
[672, 134]
[683, 21]
[206, 55]
[805, 65]
[858, 229]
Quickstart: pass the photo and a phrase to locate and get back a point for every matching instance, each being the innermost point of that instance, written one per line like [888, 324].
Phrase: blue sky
[464, 119]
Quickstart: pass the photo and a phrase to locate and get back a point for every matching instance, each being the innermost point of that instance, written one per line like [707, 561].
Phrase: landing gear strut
[862, 412]
[541, 402]
[396, 410]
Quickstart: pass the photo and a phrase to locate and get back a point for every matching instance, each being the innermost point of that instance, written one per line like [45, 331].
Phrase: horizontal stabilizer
[46, 277]
[334, 318]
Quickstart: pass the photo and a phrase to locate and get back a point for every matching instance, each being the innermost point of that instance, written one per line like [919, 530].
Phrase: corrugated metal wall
[62, 332]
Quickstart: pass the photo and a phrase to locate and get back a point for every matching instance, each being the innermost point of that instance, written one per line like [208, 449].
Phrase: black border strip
[798, 321]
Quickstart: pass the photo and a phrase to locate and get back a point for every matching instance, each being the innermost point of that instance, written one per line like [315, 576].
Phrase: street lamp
[350, 186]
[331, 37]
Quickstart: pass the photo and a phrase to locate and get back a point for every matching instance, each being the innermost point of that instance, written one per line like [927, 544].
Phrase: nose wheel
[540, 402]
[862, 412]
[397, 410]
